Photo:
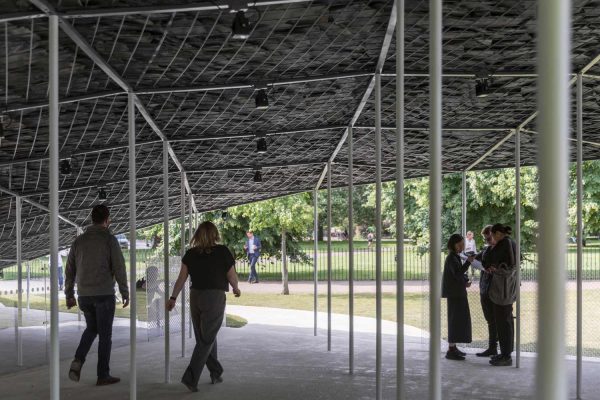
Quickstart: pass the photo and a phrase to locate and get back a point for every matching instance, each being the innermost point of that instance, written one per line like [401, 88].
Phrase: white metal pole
[553, 64]
[132, 253]
[315, 257]
[28, 268]
[329, 256]
[190, 235]
[350, 251]
[19, 229]
[167, 288]
[182, 253]
[378, 232]
[400, 392]
[435, 195]
[579, 232]
[53, 113]
[518, 240]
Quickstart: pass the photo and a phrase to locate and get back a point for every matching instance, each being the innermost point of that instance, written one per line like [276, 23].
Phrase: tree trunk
[284, 269]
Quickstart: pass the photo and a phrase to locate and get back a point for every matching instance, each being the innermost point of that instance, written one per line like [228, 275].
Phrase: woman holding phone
[454, 289]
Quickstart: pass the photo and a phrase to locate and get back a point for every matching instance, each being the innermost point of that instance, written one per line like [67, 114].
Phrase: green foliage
[268, 219]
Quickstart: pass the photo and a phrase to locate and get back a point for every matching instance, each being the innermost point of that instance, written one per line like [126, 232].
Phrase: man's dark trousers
[253, 258]
[99, 312]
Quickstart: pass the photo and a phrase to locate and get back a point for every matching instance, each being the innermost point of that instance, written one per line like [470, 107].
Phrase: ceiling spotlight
[240, 28]
[65, 166]
[224, 214]
[261, 145]
[102, 194]
[482, 87]
[258, 176]
[262, 101]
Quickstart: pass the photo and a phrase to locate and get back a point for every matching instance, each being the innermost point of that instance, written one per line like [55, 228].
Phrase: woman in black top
[454, 288]
[211, 268]
[484, 284]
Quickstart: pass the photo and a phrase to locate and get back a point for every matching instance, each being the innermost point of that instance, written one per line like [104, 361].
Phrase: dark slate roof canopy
[195, 86]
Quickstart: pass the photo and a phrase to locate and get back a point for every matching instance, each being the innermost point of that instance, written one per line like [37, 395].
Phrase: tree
[290, 216]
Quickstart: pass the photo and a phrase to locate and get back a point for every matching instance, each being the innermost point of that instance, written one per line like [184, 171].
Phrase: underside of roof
[195, 85]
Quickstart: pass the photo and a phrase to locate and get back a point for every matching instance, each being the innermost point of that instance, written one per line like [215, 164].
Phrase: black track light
[482, 88]
[261, 145]
[258, 176]
[262, 101]
[65, 166]
[102, 194]
[240, 28]
[224, 214]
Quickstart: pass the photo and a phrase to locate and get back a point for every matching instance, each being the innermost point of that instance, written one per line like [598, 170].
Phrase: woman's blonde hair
[206, 237]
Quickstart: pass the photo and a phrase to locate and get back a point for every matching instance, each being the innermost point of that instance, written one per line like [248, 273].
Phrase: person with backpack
[503, 290]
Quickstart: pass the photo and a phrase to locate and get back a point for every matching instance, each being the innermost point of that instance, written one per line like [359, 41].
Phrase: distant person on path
[503, 291]
[211, 267]
[484, 285]
[470, 245]
[95, 262]
[370, 238]
[60, 271]
[454, 289]
[252, 247]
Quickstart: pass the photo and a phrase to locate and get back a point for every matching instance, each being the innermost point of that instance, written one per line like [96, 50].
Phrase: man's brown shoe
[111, 380]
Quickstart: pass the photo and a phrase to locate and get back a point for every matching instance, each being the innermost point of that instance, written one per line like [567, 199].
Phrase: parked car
[123, 241]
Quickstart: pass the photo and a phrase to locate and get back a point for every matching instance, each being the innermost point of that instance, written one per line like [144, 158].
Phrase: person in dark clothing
[502, 290]
[484, 284]
[454, 289]
[211, 267]
[94, 263]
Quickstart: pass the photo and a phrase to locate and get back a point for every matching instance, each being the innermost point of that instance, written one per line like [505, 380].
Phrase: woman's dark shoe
[454, 355]
[462, 353]
[75, 370]
[214, 379]
[190, 387]
[109, 380]
[502, 361]
[490, 352]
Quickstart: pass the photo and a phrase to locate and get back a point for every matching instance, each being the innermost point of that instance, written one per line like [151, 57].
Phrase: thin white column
[435, 195]
[315, 257]
[53, 113]
[378, 232]
[182, 253]
[132, 253]
[518, 241]
[166, 258]
[329, 256]
[19, 229]
[579, 233]
[553, 65]
[400, 392]
[350, 252]
[190, 235]
[463, 214]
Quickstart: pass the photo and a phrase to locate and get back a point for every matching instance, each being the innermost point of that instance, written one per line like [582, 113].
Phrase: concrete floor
[272, 362]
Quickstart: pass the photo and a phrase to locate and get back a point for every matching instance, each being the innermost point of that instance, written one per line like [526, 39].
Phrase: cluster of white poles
[553, 105]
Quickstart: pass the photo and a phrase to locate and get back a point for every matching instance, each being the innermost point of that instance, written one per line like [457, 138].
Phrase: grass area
[416, 307]
[235, 321]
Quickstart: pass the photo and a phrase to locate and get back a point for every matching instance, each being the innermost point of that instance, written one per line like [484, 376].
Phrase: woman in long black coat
[454, 289]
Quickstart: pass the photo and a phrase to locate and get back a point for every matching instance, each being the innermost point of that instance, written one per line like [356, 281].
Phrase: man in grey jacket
[95, 262]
